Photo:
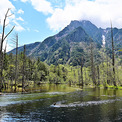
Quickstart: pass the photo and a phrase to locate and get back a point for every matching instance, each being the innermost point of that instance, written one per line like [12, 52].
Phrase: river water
[60, 103]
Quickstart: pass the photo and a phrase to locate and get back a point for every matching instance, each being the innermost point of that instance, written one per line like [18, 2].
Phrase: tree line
[20, 71]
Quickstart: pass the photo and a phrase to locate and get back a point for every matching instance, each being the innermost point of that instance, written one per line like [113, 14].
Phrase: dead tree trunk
[79, 77]
[16, 63]
[23, 70]
[3, 60]
[108, 80]
[85, 76]
[82, 71]
[98, 71]
[92, 66]
[113, 56]
[1, 46]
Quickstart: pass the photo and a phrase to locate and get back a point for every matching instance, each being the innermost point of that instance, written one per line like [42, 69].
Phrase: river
[60, 103]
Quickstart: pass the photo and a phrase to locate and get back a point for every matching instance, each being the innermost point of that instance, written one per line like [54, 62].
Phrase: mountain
[73, 41]
[30, 48]
[117, 37]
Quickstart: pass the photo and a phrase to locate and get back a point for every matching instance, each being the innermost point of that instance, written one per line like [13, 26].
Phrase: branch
[3, 31]
[10, 15]
[9, 33]
[7, 12]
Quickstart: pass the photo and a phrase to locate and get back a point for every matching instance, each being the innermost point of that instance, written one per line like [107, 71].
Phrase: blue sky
[33, 23]
[36, 20]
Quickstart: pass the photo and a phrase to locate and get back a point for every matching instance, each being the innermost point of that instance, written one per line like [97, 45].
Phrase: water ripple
[81, 104]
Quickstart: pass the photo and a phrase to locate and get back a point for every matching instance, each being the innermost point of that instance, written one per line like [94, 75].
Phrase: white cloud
[6, 45]
[28, 29]
[20, 19]
[57, 3]
[18, 27]
[24, 1]
[36, 30]
[4, 5]
[99, 12]
[20, 11]
[42, 6]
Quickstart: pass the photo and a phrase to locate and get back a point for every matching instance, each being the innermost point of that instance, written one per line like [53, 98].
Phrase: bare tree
[16, 62]
[23, 70]
[98, 71]
[113, 56]
[92, 65]
[3, 60]
[1, 44]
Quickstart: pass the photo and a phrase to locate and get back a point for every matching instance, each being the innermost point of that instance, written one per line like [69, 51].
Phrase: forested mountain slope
[73, 42]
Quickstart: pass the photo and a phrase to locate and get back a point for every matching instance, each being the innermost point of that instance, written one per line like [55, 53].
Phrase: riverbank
[43, 87]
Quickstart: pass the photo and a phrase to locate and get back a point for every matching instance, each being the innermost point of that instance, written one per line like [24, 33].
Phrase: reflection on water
[87, 105]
